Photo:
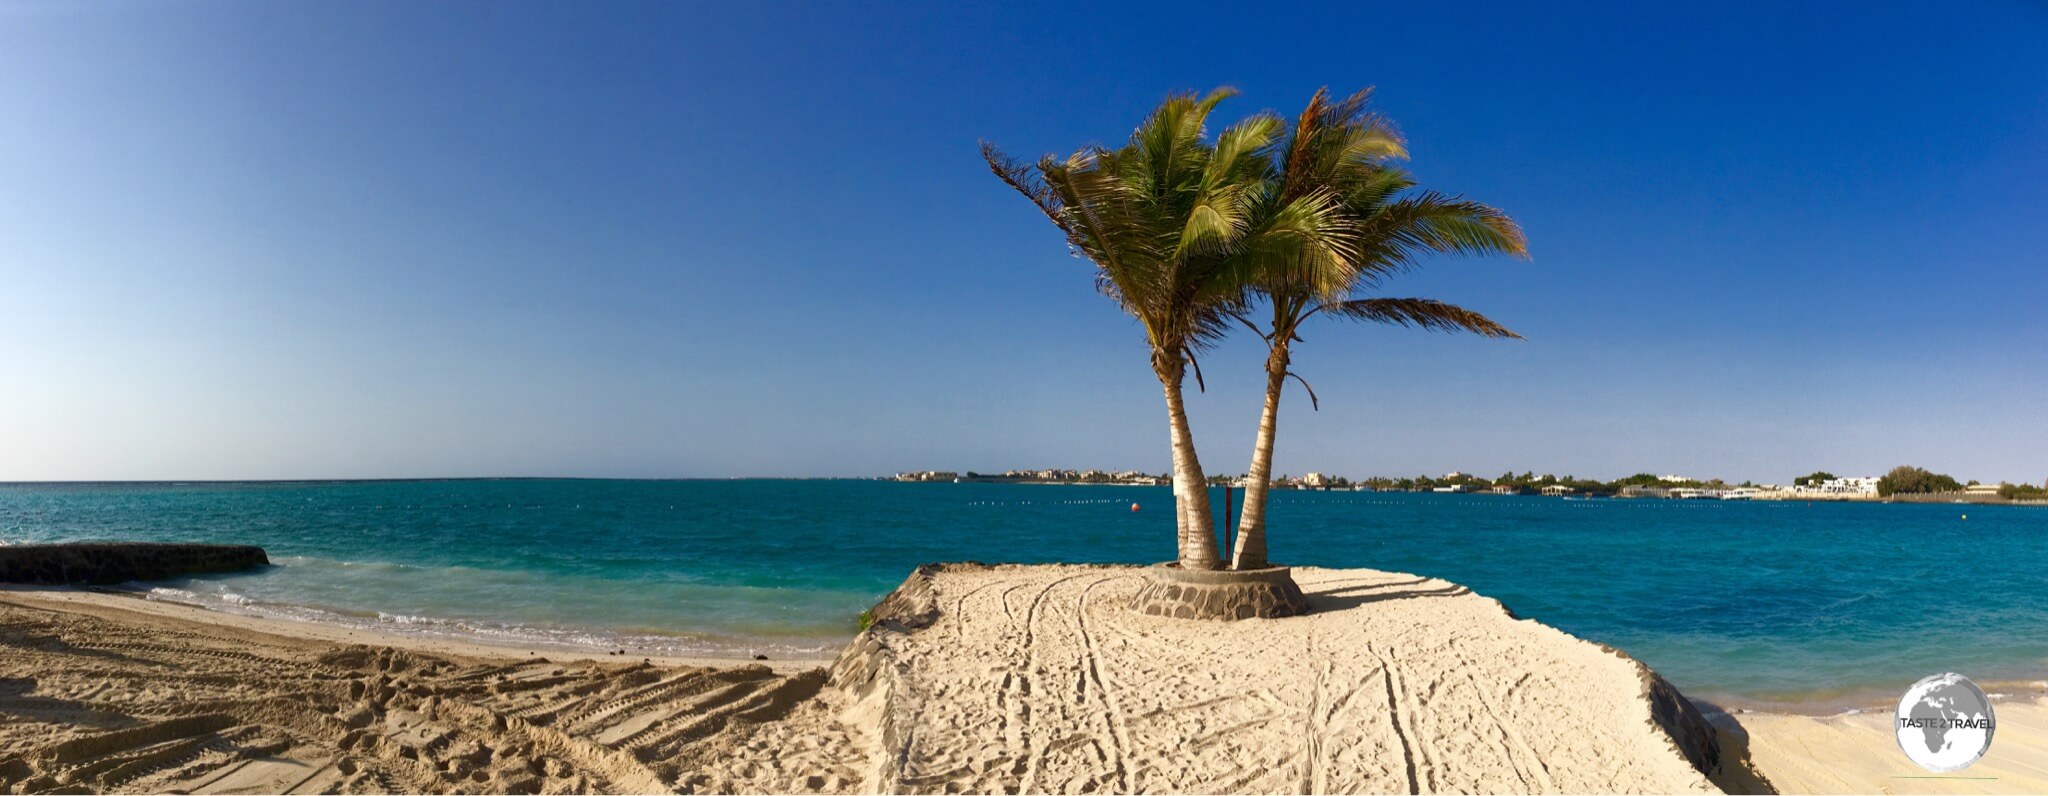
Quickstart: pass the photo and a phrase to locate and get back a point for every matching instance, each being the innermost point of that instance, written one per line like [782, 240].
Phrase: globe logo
[1944, 723]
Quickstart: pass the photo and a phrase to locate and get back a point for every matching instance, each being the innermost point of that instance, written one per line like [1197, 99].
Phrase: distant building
[1504, 489]
[1453, 475]
[1558, 490]
[1673, 479]
[1838, 487]
[1315, 479]
[1451, 488]
[1634, 491]
[1981, 489]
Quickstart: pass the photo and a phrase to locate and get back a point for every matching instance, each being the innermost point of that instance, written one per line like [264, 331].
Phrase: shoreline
[1819, 704]
[1861, 700]
[145, 603]
[520, 718]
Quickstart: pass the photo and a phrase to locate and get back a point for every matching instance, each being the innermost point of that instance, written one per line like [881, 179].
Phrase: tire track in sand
[1035, 760]
[1395, 715]
[1119, 735]
[1521, 756]
[1011, 692]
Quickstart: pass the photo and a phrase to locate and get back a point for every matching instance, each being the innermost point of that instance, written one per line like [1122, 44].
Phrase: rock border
[1221, 595]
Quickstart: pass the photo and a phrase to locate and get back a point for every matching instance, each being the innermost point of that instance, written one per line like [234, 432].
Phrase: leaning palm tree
[1342, 153]
[1159, 217]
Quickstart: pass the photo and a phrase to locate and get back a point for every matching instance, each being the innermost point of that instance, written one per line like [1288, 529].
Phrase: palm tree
[1341, 151]
[1160, 218]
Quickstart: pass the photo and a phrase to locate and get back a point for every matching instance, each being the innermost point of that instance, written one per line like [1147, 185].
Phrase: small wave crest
[507, 634]
[314, 561]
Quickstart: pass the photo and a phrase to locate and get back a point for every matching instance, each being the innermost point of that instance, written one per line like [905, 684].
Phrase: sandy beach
[1857, 753]
[973, 679]
[103, 692]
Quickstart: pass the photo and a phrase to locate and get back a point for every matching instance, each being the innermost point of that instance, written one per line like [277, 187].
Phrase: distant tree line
[2023, 492]
[1903, 480]
[1909, 480]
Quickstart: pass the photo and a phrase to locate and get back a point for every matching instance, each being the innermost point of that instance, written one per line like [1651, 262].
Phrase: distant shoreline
[1938, 498]
[1943, 498]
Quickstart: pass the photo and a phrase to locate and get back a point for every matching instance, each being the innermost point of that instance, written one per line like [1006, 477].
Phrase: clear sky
[289, 240]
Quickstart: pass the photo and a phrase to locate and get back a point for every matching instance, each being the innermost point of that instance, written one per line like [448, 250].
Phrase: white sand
[103, 693]
[136, 603]
[1857, 753]
[1016, 679]
[1038, 679]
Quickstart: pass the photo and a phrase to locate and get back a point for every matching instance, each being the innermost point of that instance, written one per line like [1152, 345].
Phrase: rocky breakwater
[103, 563]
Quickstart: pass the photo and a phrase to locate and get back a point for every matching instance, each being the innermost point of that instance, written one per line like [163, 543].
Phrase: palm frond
[1304, 246]
[1430, 222]
[1160, 216]
[1419, 313]
[1020, 177]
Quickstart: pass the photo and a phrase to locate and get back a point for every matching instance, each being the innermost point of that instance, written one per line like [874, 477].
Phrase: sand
[1039, 679]
[133, 602]
[1857, 753]
[103, 692]
[977, 679]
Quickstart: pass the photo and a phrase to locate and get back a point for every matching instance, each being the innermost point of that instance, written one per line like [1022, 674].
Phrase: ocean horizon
[1767, 603]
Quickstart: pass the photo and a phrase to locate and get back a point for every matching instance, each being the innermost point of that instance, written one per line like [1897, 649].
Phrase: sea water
[1763, 601]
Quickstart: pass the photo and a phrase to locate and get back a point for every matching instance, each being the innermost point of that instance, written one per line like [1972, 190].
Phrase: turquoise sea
[1758, 602]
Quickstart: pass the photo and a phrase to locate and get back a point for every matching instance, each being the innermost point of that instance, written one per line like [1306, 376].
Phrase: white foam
[496, 633]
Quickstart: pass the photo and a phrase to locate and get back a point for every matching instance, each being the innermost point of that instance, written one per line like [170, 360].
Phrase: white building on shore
[1839, 488]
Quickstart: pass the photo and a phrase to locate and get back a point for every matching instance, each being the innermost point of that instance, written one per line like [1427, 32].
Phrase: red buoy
[1134, 508]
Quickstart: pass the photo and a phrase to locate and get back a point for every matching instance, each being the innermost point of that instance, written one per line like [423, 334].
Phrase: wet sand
[1858, 753]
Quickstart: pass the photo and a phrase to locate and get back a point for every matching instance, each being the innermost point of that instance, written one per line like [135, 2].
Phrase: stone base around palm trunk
[1219, 595]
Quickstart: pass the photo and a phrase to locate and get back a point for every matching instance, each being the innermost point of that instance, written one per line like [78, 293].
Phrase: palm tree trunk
[1251, 527]
[1190, 488]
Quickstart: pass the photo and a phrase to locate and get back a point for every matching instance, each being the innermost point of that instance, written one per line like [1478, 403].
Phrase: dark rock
[105, 563]
[1679, 718]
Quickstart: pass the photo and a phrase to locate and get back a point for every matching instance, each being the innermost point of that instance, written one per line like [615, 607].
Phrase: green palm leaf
[1342, 219]
[1162, 218]
[1419, 313]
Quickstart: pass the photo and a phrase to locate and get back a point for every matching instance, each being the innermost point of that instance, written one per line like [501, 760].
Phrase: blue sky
[246, 240]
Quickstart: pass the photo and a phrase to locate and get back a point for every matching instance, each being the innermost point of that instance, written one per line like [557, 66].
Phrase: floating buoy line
[1045, 502]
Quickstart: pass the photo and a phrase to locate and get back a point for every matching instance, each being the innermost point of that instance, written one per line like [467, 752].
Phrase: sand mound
[1000, 679]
